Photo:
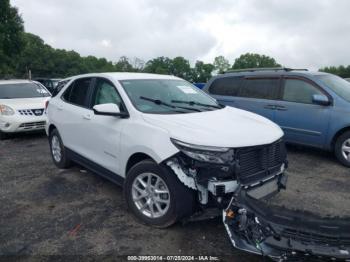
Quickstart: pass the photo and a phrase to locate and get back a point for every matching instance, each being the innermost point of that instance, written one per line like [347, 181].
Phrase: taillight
[46, 104]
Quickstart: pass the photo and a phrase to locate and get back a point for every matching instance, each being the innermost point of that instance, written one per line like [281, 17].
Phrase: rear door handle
[60, 107]
[272, 107]
[87, 117]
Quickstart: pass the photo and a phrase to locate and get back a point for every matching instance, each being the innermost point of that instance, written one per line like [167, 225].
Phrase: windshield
[340, 86]
[165, 96]
[22, 90]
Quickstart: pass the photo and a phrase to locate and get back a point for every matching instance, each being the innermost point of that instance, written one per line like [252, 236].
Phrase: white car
[22, 106]
[174, 149]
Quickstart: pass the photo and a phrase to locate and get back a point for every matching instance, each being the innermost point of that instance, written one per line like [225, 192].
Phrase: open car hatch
[283, 234]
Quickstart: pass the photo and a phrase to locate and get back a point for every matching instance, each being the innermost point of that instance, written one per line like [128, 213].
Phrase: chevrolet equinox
[172, 147]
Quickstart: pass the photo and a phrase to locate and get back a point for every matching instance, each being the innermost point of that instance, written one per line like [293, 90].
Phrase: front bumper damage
[283, 234]
[259, 169]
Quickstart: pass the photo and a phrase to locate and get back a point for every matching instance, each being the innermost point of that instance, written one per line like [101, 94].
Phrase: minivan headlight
[211, 154]
[6, 110]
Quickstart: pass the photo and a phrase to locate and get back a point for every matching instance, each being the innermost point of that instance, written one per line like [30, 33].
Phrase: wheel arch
[136, 158]
[338, 134]
[51, 128]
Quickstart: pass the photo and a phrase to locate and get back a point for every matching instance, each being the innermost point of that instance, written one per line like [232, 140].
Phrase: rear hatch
[284, 234]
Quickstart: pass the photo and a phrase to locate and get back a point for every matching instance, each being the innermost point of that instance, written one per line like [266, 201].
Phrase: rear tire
[58, 151]
[342, 148]
[155, 195]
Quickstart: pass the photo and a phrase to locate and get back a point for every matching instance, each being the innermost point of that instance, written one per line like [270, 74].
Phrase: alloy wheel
[151, 195]
[56, 148]
[346, 149]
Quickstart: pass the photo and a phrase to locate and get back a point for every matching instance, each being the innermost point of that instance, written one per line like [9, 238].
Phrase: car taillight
[46, 104]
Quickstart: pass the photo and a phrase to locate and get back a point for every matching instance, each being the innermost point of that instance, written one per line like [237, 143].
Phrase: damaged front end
[217, 172]
[283, 234]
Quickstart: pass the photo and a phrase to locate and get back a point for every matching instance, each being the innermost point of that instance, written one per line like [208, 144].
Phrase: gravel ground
[46, 211]
[316, 183]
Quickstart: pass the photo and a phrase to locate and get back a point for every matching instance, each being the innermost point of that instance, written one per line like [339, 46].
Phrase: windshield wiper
[192, 103]
[160, 102]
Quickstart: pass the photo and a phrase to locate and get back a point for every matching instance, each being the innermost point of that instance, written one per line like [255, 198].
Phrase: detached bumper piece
[283, 234]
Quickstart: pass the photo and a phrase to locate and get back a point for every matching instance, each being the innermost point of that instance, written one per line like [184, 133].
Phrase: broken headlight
[211, 154]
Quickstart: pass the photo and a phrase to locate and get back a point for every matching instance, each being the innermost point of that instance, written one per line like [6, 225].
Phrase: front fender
[144, 138]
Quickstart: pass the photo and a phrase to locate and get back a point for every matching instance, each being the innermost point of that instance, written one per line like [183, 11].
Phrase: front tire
[155, 195]
[58, 151]
[342, 149]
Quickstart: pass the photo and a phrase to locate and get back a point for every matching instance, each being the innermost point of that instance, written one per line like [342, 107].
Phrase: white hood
[227, 127]
[25, 103]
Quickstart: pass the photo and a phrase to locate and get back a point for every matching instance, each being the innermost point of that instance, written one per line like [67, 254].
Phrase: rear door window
[226, 86]
[77, 92]
[262, 88]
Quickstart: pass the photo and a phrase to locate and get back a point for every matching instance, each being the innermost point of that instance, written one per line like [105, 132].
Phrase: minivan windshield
[340, 86]
[167, 96]
[22, 90]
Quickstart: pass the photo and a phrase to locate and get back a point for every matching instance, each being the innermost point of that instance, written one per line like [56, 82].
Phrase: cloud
[297, 33]
[106, 43]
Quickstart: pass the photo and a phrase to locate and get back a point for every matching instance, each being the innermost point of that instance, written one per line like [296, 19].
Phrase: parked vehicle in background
[22, 104]
[312, 108]
[59, 86]
[49, 83]
[199, 85]
[150, 133]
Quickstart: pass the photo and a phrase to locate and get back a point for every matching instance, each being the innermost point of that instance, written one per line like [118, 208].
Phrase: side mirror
[321, 100]
[109, 109]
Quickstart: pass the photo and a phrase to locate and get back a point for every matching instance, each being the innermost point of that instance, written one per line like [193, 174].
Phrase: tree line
[21, 52]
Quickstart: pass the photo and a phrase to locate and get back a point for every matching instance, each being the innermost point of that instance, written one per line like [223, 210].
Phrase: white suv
[174, 149]
[22, 104]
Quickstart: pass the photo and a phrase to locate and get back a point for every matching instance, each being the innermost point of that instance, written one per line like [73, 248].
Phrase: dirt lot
[46, 211]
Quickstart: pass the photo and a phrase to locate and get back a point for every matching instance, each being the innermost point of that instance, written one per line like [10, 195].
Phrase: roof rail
[265, 69]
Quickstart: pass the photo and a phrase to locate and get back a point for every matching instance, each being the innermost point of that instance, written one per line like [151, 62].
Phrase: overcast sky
[297, 33]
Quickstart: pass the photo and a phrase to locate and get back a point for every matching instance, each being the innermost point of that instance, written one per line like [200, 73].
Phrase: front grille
[260, 161]
[33, 125]
[31, 112]
[318, 239]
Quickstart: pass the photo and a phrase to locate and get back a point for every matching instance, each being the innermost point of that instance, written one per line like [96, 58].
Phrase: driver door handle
[87, 117]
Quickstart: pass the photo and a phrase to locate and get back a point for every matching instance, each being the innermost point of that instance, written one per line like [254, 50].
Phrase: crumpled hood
[25, 103]
[227, 127]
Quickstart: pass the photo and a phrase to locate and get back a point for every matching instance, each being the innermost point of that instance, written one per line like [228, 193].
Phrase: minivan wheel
[155, 195]
[342, 148]
[58, 151]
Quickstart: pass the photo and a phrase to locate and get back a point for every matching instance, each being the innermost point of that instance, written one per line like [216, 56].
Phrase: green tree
[45, 61]
[221, 64]
[341, 71]
[123, 65]
[34, 56]
[11, 41]
[180, 67]
[250, 60]
[202, 72]
[159, 65]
